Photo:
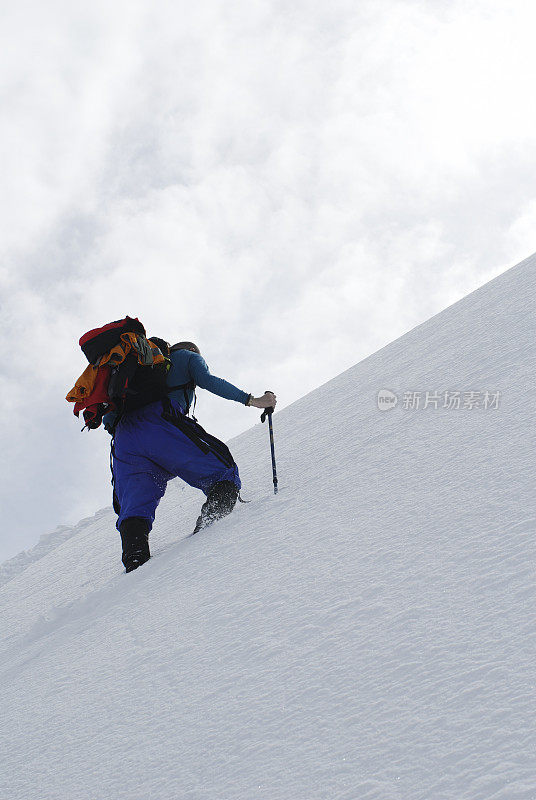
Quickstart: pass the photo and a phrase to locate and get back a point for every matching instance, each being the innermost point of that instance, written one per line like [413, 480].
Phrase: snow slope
[367, 634]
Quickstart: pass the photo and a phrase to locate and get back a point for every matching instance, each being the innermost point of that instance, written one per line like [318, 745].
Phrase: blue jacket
[185, 368]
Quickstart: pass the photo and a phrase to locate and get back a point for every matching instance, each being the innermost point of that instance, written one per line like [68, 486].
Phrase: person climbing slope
[159, 441]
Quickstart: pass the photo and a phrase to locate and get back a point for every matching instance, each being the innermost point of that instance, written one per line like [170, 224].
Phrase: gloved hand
[110, 421]
[268, 400]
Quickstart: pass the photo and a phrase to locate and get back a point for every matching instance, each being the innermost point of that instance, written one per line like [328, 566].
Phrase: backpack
[126, 371]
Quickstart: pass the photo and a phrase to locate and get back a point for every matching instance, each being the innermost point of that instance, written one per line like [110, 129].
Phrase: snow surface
[367, 634]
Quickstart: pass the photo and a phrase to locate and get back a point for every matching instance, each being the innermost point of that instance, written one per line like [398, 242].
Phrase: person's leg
[139, 485]
[205, 462]
[220, 501]
[135, 542]
[195, 456]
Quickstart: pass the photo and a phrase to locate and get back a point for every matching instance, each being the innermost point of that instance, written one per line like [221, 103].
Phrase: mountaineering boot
[135, 540]
[220, 501]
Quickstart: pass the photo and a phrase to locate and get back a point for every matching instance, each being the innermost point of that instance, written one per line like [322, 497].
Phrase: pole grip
[267, 411]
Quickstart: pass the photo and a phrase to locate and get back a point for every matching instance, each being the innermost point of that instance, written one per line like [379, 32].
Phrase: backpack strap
[185, 387]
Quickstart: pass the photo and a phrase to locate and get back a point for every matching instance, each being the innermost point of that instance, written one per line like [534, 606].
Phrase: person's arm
[202, 377]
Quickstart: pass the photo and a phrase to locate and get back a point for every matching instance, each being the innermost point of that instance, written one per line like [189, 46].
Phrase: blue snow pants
[157, 443]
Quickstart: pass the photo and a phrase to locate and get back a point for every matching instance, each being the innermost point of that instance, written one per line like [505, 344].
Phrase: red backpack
[126, 371]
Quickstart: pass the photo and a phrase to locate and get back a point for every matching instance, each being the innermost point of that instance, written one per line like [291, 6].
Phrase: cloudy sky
[291, 185]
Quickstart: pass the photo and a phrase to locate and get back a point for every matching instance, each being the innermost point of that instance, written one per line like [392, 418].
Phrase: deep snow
[366, 634]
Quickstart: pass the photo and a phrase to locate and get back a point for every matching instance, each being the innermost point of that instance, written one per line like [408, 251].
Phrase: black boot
[220, 501]
[135, 540]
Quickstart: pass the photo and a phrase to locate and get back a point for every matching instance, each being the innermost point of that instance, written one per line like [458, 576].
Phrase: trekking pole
[268, 413]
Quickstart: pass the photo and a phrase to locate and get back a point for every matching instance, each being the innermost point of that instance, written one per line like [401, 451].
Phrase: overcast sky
[291, 185]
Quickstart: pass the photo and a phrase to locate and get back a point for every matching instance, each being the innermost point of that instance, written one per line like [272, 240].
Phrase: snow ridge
[368, 633]
[46, 544]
